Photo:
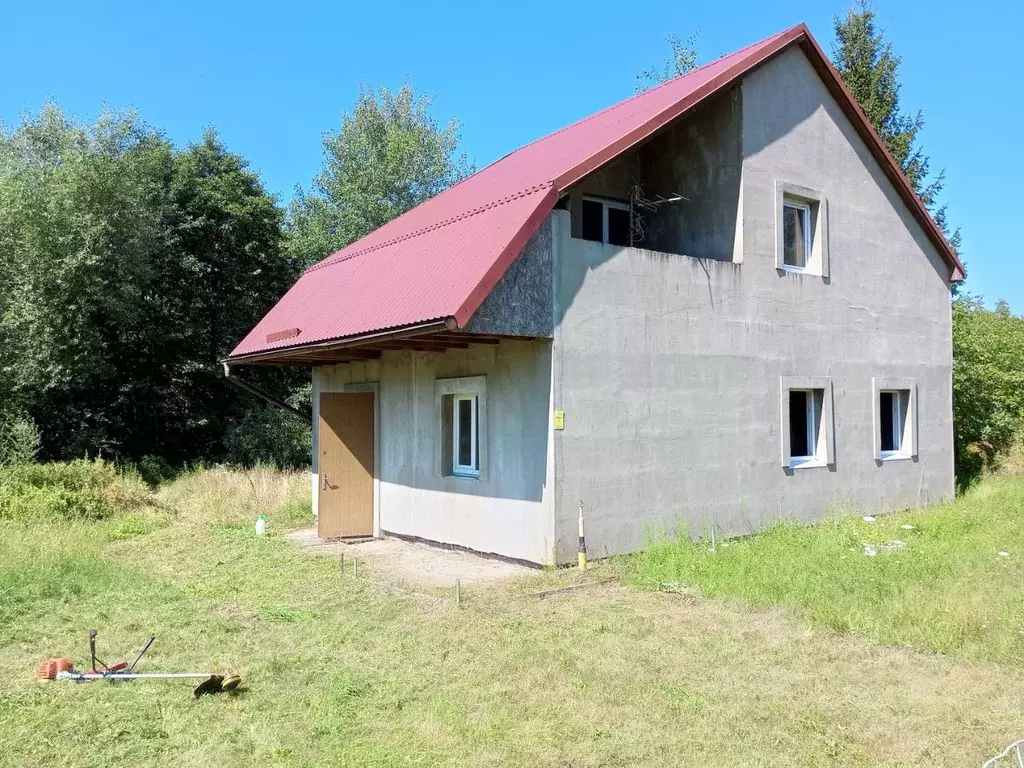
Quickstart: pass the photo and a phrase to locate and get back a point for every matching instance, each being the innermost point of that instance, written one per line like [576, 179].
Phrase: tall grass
[226, 495]
[74, 490]
[948, 589]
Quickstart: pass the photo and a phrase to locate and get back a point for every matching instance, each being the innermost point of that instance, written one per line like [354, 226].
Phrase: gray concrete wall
[698, 157]
[520, 304]
[509, 509]
[668, 368]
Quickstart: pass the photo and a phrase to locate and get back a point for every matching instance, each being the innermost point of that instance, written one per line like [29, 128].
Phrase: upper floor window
[605, 221]
[796, 233]
[801, 230]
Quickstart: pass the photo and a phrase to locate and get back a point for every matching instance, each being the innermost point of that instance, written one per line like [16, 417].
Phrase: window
[801, 230]
[892, 422]
[805, 409]
[605, 221]
[463, 434]
[796, 237]
[465, 437]
[895, 418]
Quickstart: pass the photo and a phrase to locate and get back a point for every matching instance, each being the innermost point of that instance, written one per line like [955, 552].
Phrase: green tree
[870, 69]
[988, 383]
[682, 59]
[127, 268]
[390, 155]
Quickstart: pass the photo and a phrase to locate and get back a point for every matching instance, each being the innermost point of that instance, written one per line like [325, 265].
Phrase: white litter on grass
[868, 518]
[887, 548]
[907, 527]
[1004, 554]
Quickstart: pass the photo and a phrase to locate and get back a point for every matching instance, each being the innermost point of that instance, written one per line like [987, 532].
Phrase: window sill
[810, 271]
[894, 456]
[806, 463]
[466, 474]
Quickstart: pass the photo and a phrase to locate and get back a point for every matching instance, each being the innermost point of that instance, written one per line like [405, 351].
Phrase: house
[712, 305]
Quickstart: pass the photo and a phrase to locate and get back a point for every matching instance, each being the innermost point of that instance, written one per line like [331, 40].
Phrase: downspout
[305, 418]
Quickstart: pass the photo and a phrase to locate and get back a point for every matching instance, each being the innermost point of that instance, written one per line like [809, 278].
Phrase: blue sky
[273, 77]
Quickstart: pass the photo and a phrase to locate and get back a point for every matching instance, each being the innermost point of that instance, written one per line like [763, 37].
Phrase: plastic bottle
[261, 525]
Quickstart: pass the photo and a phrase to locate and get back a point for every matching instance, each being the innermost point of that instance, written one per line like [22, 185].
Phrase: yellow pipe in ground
[582, 548]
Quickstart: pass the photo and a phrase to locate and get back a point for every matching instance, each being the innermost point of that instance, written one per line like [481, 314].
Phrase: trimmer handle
[92, 647]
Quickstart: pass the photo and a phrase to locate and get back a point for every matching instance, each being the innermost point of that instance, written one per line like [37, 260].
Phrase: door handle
[323, 481]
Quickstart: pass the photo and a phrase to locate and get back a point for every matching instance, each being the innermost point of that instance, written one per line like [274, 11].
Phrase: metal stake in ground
[582, 548]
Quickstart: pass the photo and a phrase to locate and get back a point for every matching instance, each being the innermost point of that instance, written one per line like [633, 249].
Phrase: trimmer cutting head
[217, 684]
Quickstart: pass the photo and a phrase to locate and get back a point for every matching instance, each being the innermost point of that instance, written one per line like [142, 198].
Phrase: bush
[154, 470]
[19, 439]
[270, 435]
[75, 490]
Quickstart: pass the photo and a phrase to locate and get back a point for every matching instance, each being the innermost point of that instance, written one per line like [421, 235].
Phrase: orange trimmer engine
[48, 669]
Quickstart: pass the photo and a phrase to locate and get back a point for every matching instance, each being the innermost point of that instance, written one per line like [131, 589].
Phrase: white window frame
[814, 459]
[466, 386]
[824, 444]
[473, 468]
[904, 415]
[814, 207]
[805, 214]
[897, 416]
[605, 205]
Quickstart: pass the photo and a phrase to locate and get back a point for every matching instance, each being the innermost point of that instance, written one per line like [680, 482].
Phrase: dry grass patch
[229, 496]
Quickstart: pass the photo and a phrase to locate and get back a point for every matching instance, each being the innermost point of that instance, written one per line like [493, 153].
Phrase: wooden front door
[345, 500]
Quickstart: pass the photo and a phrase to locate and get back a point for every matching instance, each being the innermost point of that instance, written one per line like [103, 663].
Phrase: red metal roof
[442, 258]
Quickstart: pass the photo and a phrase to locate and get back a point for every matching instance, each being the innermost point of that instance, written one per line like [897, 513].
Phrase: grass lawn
[950, 590]
[339, 672]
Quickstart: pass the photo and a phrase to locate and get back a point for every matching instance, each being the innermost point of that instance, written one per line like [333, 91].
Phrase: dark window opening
[798, 432]
[466, 430]
[618, 226]
[593, 221]
[887, 421]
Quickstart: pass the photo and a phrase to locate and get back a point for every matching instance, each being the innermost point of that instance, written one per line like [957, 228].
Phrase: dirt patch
[413, 563]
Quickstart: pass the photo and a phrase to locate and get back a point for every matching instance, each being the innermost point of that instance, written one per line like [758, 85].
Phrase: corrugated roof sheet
[440, 259]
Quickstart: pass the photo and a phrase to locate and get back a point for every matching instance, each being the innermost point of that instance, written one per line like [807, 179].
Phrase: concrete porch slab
[413, 563]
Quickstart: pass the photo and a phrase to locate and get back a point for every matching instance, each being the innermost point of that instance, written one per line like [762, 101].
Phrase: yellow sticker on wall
[559, 419]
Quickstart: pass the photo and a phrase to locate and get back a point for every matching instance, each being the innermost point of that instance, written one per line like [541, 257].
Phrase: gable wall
[668, 368]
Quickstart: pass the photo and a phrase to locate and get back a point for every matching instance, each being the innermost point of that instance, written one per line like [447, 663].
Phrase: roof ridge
[635, 96]
[342, 256]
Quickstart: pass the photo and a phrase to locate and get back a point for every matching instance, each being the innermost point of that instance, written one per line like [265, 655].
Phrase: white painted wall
[507, 511]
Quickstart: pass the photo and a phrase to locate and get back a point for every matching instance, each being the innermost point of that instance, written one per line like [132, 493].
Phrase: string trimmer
[61, 669]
